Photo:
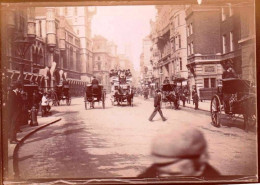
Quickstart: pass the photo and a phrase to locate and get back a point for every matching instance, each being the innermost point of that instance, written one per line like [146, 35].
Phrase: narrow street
[115, 142]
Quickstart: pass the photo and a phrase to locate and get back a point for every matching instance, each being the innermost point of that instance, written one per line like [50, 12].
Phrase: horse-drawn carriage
[170, 95]
[121, 88]
[62, 94]
[235, 98]
[94, 94]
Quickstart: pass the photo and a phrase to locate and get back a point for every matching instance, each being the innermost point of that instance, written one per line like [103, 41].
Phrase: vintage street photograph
[129, 93]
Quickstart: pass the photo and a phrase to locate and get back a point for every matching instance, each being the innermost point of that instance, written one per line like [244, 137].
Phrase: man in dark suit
[157, 106]
[15, 109]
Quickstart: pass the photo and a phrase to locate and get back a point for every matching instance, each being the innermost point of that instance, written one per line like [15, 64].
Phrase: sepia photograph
[123, 92]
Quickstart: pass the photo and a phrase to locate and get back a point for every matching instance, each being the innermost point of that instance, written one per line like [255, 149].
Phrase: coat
[15, 104]
[157, 100]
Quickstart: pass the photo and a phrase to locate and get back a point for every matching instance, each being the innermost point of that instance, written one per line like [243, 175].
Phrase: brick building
[204, 47]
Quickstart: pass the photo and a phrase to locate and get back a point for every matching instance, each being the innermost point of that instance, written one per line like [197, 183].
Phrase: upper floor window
[180, 64]
[191, 29]
[231, 10]
[224, 43]
[231, 41]
[179, 36]
[223, 14]
[189, 49]
[98, 57]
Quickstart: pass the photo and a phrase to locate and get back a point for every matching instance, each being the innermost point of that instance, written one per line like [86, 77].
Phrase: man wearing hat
[157, 106]
[15, 108]
[180, 151]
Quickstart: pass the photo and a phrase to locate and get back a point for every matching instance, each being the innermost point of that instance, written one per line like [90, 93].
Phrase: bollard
[34, 121]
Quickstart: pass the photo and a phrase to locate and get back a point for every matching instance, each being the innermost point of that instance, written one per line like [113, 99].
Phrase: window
[78, 32]
[179, 41]
[224, 44]
[191, 48]
[231, 41]
[76, 19]
[231, 11]
[213, 82]
[188, 49]
[40, 28]
[206, 83]
[98, 58]
[188, 30]
[180, 64]
[178, 20]
[191, 29]
[223, 14]
[99, 66]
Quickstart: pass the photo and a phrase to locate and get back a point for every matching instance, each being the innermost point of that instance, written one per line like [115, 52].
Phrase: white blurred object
[199, 1]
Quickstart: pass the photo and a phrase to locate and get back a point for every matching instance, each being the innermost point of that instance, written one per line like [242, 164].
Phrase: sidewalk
[205, 105]
[27, 130]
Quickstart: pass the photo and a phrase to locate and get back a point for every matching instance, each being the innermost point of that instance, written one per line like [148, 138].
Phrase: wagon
[235, 99]
[63, 94]
[93, 95]
[170, 95]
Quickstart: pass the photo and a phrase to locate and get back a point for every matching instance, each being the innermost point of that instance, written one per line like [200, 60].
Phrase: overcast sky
[124, 25]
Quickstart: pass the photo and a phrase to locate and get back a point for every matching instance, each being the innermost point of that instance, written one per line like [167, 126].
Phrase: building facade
[203, 47]
[169, 45]
[80, 19]
[101, 61]
[247, 42]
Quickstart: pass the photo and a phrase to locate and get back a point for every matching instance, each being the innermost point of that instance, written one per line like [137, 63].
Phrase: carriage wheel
[215, 111]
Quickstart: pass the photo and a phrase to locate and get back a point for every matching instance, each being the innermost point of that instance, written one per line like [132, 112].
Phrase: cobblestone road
[115, 142]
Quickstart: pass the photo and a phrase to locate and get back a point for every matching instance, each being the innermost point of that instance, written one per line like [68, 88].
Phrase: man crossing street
[157, 106]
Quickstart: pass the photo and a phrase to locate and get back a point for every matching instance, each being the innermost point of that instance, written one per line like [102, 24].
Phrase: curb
[197, 110]
[15, 153]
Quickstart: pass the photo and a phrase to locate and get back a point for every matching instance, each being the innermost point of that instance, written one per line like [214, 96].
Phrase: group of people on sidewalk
[20, 105]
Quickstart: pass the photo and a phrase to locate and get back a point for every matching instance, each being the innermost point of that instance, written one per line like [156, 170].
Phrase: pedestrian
[45, 104]
[15, 109]
[179, 151]
[157, 106]
[183, 99]
[196, 100]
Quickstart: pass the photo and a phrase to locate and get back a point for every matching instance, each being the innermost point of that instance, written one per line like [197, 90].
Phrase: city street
[115, 142]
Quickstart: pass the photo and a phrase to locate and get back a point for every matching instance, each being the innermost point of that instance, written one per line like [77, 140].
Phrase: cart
[170, 95]
[235, 99]
[93, 95]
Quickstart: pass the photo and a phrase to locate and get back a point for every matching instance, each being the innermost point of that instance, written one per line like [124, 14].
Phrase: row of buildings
[194, 44]
[46, 45]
